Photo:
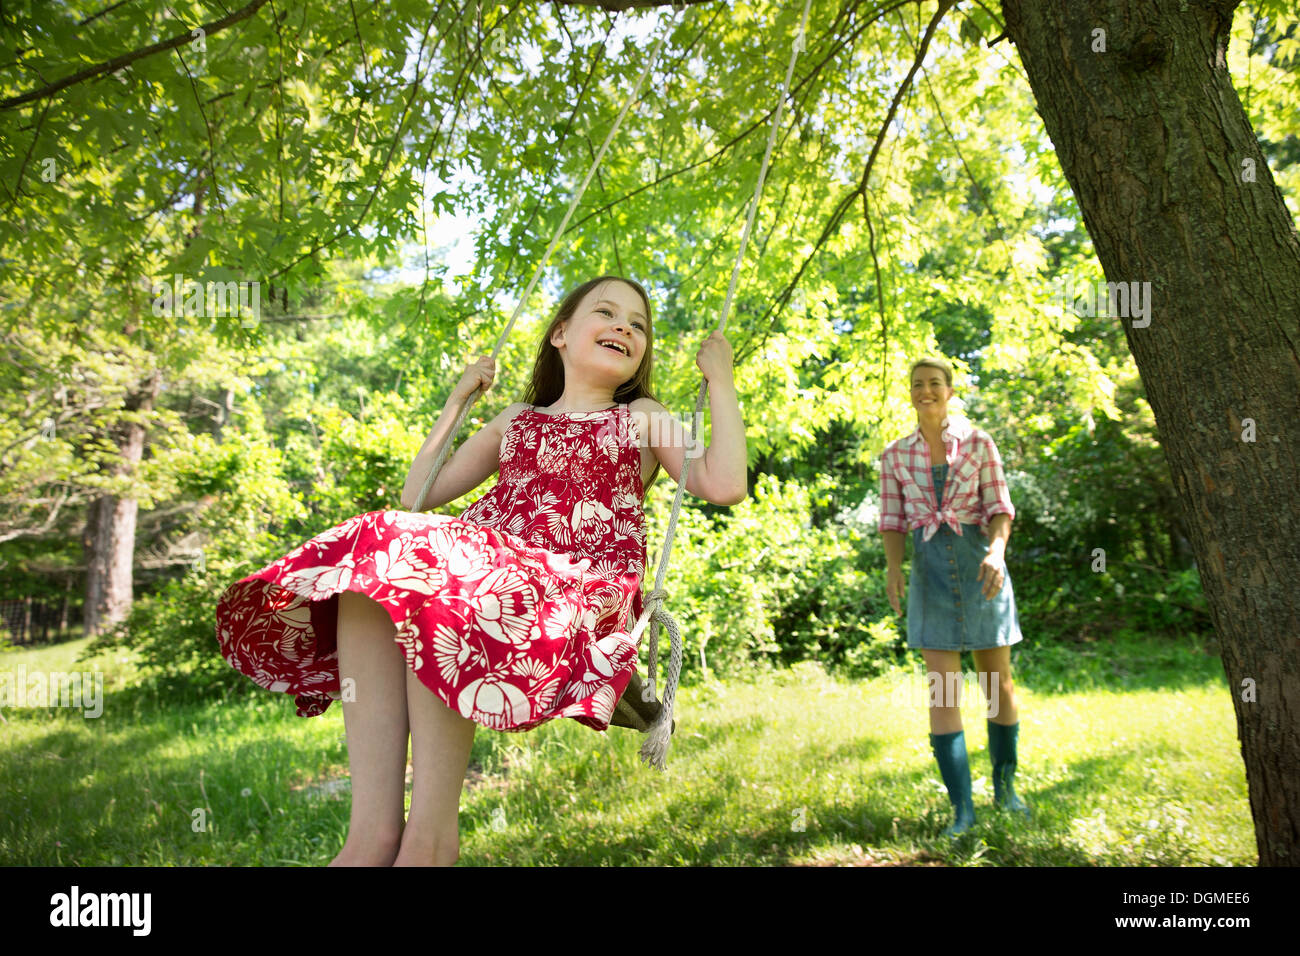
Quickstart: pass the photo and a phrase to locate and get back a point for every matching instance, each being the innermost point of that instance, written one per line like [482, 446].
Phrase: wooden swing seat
[633, 711]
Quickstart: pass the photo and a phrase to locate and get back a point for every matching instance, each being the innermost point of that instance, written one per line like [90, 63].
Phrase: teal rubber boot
[954, 767]
[1002, 749]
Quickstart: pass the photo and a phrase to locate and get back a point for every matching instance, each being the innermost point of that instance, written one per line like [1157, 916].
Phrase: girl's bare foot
[374, 853]
[421, 853]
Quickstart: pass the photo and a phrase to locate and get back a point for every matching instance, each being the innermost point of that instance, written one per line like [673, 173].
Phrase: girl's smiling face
[606, 335]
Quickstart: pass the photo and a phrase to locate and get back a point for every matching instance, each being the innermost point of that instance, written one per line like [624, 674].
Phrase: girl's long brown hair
[547, 382]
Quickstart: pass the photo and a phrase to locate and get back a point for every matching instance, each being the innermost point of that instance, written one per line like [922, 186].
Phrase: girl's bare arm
[718, 474]
[474, 461]
[468, 467]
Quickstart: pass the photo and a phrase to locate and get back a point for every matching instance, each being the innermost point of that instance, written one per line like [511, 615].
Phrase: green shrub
[760, 585]
[174, 633]
[247, 516]
[884, 646]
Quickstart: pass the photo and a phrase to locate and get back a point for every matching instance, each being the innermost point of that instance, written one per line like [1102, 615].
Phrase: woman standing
[944, 483]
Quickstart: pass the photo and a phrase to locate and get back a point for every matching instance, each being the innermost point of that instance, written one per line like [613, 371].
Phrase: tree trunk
[110, 529]
[67, 600]
[227, 411]
[96, 542]
[1175, 192]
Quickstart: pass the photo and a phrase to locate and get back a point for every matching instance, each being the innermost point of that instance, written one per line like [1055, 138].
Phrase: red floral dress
[513, 613]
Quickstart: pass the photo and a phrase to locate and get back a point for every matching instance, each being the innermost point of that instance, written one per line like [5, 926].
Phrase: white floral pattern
[401, 566]
[512, 614]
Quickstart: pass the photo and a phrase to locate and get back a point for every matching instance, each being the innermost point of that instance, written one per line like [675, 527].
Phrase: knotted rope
[654, 751]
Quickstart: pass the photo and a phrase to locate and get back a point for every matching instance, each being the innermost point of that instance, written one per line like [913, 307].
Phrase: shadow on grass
[897, 820]
[120, 800]
[97, 804]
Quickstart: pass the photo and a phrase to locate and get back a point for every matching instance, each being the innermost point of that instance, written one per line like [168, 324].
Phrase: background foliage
[323, 150]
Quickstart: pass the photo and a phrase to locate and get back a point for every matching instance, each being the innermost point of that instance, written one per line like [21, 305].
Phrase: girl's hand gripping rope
[479, 374]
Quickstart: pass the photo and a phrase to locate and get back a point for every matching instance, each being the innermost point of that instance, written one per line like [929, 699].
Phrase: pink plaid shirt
[976, 488]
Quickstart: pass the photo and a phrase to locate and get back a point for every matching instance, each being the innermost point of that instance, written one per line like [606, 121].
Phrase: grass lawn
[1128, 754]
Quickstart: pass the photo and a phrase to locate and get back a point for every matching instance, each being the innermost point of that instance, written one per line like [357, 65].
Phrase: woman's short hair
[931, 361]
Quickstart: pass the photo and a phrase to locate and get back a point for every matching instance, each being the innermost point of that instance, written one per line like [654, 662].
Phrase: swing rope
[445, 447]
[654, 751]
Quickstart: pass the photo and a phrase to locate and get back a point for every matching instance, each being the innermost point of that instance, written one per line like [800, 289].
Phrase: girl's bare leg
[440, 745]
[945, 707]
[376, 730]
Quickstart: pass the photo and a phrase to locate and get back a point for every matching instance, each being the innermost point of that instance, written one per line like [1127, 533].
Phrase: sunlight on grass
[797, 768]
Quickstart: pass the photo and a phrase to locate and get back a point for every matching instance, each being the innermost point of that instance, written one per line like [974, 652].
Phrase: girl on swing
[507, 616]
[944, 482]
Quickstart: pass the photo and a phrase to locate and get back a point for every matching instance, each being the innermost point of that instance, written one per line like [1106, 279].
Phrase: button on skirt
[946, 607]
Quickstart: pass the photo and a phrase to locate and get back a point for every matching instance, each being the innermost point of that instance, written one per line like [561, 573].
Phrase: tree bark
[110, 529]
[67, 600]
[1155, 144]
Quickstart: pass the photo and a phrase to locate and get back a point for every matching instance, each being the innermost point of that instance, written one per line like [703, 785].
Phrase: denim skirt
[946, 607]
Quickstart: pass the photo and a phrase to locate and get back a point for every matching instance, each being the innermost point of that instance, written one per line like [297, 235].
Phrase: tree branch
[9, 534]
[109, 9]
[126, 59]
[388, 157]
[837, 216]
[618, 6]
[22, 170]
[758, 122]
[579, 101]
[212, 146]
[880, 300]
[979, 188]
